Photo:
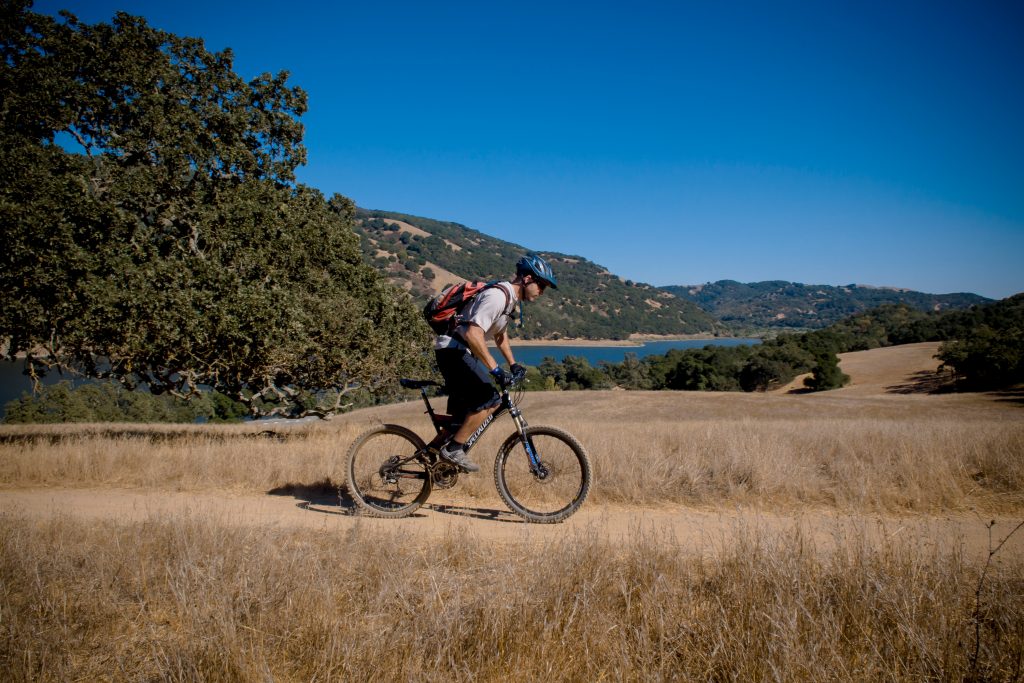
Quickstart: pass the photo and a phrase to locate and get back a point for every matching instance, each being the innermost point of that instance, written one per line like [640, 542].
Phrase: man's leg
[455, 450]
[472, 395]
[471, 423]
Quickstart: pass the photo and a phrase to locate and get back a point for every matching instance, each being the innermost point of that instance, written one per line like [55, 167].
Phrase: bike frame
[506, 407]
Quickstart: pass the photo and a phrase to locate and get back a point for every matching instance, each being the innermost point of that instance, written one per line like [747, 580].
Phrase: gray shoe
[459, 458]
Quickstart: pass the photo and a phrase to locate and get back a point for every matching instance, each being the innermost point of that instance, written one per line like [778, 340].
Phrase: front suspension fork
[531, 452]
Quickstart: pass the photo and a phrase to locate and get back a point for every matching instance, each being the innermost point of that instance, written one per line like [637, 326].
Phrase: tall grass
[647, 449]
[195, 598]
[187, 599]
[849, 463]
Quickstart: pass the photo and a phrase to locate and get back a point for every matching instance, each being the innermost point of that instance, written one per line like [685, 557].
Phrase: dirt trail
[699, 530]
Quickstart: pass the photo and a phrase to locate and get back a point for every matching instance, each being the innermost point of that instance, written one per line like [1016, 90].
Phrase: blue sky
[878, 143]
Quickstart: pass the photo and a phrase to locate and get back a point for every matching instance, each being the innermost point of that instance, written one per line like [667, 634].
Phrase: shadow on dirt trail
[476, 513]
[328, 498]
[322, 494]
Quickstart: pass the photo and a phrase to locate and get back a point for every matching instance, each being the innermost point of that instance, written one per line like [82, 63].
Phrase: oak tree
[153, 230]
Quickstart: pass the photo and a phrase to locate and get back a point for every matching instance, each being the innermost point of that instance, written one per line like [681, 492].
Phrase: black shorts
[469, 384]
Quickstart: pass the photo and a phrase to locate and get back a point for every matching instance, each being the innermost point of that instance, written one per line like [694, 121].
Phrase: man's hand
[518, 373]
[502, 376]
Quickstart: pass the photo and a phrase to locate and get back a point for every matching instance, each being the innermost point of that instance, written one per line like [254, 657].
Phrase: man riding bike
[466, 362]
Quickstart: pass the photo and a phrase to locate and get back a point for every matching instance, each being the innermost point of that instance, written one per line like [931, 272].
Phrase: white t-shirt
[489, 310]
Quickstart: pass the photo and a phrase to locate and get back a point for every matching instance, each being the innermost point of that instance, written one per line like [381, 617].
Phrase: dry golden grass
[890, 453]
[192, 596]
[187, 599]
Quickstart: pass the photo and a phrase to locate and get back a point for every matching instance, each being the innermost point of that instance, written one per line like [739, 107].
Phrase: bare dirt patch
[406, 227]
[905, 369]
[442, 278]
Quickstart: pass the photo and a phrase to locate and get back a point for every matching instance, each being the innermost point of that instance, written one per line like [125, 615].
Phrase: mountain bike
[542, 473]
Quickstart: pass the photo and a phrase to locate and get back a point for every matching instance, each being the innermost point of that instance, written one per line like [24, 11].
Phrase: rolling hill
[424, 255]
[782, 304]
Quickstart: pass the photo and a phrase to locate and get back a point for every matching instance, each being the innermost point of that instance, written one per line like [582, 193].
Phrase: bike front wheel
[386, 477]
[549, 486]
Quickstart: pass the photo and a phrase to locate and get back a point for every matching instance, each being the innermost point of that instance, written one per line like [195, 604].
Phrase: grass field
[854, 587]
[189, 599]
[648, 448]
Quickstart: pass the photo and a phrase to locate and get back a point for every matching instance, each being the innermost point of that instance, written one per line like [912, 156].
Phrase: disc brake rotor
[543, 473]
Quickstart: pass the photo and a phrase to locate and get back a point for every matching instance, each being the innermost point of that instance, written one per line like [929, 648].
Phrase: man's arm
[473, 335]
[501, 341]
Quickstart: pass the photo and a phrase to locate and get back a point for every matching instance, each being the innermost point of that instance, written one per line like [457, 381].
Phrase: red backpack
[442, 312]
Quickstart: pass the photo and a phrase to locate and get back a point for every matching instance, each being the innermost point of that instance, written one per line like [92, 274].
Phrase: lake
[13, 381]
[533, 355]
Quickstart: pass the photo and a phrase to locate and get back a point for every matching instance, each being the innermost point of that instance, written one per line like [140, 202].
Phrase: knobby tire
[368, 457]
[550, 500]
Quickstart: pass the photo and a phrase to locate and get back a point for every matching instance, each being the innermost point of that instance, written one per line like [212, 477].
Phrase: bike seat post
[430, 409]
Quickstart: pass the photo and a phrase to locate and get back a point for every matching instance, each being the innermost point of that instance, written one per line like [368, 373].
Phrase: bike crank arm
[404, 474]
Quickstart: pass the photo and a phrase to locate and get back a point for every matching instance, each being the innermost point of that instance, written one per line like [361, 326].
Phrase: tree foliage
[111, 402]
[826, 374]
[631, 373]
[154, 232]
[573, 373]
[989, 353]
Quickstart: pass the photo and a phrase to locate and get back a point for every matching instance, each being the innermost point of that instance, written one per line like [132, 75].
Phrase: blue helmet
[534, 265]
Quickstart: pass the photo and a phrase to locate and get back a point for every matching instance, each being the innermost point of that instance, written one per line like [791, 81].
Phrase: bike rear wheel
[552, 492]
[386, 477]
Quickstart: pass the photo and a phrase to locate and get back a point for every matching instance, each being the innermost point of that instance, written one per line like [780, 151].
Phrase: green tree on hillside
[631, 373]
[579, 374]
[826, 374]
[154, 233]
[104, 402]
[988, 351]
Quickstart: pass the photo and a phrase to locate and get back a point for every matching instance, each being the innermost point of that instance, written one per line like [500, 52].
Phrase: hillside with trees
[591, 303]
[789, 305]
[983, 347]
[422, 255]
